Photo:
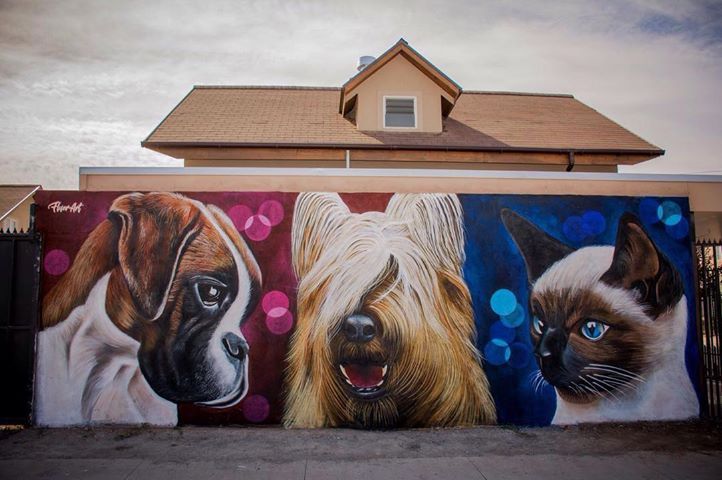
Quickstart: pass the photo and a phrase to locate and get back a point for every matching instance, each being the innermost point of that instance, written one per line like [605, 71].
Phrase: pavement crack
[133, 470]
[477, 468]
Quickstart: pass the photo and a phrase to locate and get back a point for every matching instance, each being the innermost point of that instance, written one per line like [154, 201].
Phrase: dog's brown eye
[211, 294]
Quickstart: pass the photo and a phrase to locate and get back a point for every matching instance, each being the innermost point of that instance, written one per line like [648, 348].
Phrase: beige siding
[708, 225]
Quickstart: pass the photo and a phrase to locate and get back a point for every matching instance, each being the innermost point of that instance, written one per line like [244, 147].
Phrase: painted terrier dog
[147, 316]
[385, 332]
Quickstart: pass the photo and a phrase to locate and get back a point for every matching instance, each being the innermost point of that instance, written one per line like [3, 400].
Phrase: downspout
[348, 158]
[570, 161]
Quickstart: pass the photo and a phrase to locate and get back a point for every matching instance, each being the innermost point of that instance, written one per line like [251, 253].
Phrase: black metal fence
[709, 278]
[20, 254]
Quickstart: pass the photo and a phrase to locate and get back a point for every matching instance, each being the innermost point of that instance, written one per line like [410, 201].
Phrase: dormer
[400, 91]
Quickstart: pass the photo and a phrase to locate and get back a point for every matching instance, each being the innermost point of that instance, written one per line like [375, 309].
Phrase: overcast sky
[83, 82]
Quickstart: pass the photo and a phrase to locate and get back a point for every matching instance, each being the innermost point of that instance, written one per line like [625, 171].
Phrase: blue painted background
[495, 273]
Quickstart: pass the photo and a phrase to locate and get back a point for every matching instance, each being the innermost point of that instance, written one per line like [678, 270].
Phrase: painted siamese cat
[609, 325]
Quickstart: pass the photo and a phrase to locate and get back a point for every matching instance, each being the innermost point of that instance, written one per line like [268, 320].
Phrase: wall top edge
[398, 173]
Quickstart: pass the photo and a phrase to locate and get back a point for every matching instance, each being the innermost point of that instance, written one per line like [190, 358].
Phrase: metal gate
[19, 292]
[709, 278]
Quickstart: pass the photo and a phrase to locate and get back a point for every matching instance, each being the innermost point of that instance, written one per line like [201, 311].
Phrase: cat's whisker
[612, 380]
[620, 370]
[607, 389]
[612, 370]
[617, 383]
[533, 377]
[592, 388]
[575, 388]
[537, 381]
[540, 384]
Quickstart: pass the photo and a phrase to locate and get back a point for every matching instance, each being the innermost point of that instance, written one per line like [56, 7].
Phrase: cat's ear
[638, 264]
[539, 249]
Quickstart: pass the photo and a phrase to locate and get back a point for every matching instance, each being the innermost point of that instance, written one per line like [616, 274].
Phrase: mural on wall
[364, 310]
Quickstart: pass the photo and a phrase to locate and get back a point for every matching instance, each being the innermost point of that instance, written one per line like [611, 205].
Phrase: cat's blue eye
[594, 329]
[537, 325]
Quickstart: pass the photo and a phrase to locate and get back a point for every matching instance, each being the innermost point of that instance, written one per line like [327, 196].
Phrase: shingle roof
[12, 195]
[308, 116]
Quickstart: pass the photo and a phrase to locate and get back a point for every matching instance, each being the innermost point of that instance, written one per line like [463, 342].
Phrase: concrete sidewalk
[639, 451]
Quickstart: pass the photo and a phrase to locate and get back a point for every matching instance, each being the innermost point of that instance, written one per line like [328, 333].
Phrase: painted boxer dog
[148, 316]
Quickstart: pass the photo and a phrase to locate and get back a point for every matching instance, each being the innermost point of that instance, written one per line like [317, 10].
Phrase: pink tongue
[364, 376]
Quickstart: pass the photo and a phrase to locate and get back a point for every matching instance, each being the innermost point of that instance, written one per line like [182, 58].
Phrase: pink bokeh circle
[274, 299]
[272, 210]
[239, 215]
[279, 321]
[258, 227]
[256, 408]
[57, 262]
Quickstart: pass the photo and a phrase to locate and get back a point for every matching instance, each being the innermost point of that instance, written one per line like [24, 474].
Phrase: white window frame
[401, 97]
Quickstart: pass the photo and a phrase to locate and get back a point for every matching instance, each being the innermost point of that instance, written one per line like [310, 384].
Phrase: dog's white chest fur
[88, 372]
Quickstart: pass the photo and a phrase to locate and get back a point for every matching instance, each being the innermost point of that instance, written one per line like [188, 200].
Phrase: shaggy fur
[401, 268]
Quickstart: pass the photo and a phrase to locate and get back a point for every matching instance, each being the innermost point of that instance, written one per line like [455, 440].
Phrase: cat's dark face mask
[585, 347]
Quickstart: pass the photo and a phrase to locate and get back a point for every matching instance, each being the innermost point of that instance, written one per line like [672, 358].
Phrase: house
[15, 201]
[398, 111]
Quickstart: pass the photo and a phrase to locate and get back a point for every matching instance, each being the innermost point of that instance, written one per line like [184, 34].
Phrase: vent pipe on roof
[364, 62]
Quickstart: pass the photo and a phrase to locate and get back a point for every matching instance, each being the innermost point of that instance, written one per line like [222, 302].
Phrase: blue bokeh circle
[515, 318]
[669, 213]
[497, 352]
[503, 302]
[679, 230]
[593, 223]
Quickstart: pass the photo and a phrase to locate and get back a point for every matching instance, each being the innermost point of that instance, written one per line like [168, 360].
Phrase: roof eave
[356, 146]
[35, 189]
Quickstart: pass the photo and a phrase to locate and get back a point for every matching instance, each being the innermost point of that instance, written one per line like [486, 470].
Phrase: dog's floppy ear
[154, 229]
[639, 265]
[317, 217]
[436, 223]
[539, 249]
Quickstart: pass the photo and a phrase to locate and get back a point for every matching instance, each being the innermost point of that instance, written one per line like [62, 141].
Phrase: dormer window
[399, 112]
[400, 91]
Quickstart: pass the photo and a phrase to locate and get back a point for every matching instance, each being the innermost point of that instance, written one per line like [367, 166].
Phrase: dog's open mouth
[365, 379]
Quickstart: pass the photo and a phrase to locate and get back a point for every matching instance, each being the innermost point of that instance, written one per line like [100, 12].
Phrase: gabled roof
[402, 48]
[11, 196]
[258, 116]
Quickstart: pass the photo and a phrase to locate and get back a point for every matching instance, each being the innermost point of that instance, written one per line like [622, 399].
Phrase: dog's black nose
[359, 329]
[235, 346]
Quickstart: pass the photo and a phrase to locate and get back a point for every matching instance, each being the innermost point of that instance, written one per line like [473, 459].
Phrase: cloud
[83, 82]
